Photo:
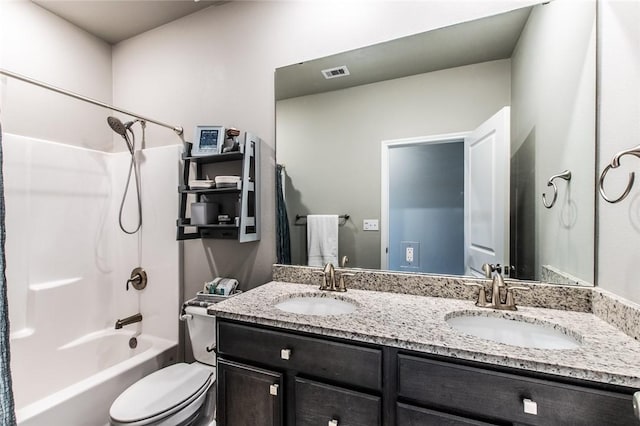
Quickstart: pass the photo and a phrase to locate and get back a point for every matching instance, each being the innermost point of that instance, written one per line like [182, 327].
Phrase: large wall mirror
[407, 136]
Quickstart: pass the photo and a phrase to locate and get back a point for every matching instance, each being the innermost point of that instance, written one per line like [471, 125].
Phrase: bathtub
[76, 383]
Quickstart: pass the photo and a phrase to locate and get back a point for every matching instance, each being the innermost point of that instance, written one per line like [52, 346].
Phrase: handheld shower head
[117, 126]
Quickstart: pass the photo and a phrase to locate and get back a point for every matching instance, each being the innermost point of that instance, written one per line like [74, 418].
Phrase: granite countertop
[417, 323]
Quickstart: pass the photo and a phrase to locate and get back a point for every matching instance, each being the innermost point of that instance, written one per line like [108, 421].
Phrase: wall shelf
[242, 203]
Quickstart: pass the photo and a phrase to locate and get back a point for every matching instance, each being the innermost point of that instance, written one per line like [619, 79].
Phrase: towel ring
[627, 190]
[615, 162]
[566, 175]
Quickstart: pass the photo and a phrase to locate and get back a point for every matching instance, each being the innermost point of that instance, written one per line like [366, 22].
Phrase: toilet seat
[159, 396]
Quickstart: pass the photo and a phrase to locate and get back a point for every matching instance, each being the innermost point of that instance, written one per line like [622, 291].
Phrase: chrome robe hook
[615, 162]
[566, 175]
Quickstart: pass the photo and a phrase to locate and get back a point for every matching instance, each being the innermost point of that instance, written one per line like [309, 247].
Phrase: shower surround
[67, 266]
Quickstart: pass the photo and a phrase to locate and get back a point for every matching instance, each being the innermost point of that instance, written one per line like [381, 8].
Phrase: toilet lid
[159, 392]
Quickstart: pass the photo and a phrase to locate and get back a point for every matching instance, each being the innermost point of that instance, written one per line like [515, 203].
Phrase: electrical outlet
[370, 225]
[409, 254]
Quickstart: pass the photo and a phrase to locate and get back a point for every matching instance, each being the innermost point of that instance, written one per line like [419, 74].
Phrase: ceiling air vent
[340, 71]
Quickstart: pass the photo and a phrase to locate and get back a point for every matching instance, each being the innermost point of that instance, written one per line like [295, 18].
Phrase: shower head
[117, 126]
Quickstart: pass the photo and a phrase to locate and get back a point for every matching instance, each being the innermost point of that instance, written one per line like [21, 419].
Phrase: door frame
[386, 146]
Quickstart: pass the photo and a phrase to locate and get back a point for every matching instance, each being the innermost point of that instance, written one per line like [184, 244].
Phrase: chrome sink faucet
[497, 283]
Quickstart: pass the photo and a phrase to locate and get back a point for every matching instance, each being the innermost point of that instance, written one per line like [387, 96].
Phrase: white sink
[516, 332]
[316, 305]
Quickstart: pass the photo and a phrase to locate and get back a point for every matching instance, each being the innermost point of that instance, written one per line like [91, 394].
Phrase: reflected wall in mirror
[538, 61]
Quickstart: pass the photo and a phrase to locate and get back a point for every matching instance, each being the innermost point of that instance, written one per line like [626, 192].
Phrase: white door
[486, 189]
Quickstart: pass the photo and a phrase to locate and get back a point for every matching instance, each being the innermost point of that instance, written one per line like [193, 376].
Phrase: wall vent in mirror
[340, 71]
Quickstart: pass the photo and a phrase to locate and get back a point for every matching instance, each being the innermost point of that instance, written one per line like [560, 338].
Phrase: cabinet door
[248, 396]
[318, 404]
[415, 416]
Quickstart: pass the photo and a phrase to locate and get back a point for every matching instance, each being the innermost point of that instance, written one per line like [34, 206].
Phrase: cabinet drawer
[413, 416]
[340, 362]
[497, 395]
[319, 404]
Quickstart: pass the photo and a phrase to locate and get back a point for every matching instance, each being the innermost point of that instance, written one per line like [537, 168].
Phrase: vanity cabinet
[324, 380]
[333, 382]
[241, 203]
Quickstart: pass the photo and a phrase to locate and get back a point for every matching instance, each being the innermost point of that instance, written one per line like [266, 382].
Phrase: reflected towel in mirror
[322, 239]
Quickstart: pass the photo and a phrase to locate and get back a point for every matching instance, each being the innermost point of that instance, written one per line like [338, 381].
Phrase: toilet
[180, 394]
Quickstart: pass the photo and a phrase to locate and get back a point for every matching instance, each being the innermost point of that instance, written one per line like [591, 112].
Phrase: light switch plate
[370, 225]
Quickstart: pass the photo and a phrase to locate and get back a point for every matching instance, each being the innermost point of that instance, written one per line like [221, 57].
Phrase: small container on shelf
[227, 181]
[204, 213]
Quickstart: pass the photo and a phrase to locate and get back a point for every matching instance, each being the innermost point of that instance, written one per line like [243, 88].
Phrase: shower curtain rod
[177, 129]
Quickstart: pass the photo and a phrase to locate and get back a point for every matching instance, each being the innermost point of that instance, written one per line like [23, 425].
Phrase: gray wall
[216, 67]
[552, 129]
[619, 224]
[330, 143]
[426, 206]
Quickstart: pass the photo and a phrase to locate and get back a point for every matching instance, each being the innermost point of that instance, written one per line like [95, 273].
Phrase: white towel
[322, 239]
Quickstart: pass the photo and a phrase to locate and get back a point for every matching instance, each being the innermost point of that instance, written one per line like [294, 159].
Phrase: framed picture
[207, 140]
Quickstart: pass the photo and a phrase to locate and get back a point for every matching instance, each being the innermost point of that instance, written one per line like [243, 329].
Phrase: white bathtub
[77, 382]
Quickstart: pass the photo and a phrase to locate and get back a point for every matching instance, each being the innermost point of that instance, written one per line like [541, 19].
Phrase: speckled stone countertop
[412, 322]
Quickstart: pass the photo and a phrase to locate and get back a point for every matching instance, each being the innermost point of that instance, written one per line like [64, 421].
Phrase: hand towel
[322, 239]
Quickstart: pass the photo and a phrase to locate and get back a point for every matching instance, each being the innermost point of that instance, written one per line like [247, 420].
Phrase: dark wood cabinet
[327, 381]
[248, 396]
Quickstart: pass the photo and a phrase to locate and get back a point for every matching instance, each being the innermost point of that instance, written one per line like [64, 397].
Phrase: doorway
[424, 204]
[418, 187]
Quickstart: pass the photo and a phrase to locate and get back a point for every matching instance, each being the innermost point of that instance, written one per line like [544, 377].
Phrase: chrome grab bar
[615, 163]
[566, 175]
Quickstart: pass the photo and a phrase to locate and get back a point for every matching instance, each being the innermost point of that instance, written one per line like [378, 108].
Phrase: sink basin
[316, 305]
[515, 331]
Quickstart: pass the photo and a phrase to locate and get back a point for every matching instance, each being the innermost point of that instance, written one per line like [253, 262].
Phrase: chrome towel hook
[566, 175]
[615, 162]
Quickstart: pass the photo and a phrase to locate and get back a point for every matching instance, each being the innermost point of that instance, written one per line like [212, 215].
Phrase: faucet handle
[342, 286]
[510, 302]
[487, 268]
[482, 294]
[324, 285]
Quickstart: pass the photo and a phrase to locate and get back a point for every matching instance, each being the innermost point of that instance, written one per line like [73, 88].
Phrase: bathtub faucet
[128, 320]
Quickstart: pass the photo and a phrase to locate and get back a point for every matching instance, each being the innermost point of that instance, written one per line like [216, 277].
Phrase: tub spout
[128, 320]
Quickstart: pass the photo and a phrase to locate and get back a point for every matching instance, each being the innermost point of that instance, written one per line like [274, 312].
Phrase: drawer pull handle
[636, 404]
[530, 407]
[273, 390]
[333, 422]
[285, 353]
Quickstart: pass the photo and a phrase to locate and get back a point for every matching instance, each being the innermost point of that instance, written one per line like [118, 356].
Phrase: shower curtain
[283, 241]
[7, 412]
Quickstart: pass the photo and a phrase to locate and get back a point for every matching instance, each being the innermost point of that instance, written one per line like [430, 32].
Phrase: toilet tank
[202, 333]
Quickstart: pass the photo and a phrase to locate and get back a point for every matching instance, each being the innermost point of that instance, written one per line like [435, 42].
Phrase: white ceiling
[117, 20]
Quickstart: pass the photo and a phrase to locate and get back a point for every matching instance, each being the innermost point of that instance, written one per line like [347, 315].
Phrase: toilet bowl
[180, 394]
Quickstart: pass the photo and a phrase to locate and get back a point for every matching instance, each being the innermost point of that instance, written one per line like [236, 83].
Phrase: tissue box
[204, 213]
